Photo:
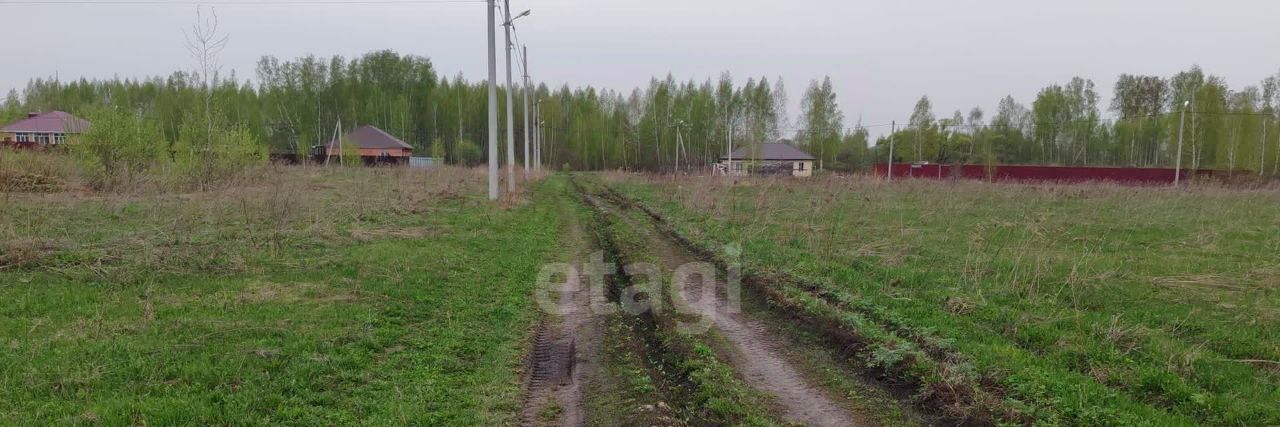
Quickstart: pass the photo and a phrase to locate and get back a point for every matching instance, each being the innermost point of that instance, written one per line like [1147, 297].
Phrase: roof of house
[770, 152]
[50, 122]
[373, 138]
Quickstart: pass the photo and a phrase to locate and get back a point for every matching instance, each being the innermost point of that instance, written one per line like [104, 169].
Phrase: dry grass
[291, 293]
[25, 171]
[128, 235]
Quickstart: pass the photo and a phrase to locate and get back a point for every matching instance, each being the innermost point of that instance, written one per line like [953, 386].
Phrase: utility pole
[1177, 171]
[542, 138]
[729, 171]
[511, 121]
[328, 147]
[538, 136]
[893, 133]
[1262, 149]
[493, 102]
[526, 111]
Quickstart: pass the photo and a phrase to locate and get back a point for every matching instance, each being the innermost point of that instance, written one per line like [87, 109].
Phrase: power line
[519, 44]
[226, 2]
[1033, 122]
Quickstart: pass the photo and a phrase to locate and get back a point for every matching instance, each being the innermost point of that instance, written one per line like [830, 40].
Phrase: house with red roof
[42, 130]
[376, 146]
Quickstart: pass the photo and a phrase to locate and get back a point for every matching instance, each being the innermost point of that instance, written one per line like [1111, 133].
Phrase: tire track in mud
[755, 353]
[940, 402]
[566, 348]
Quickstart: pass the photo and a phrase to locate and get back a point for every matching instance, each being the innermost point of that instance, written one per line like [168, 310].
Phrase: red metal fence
[1038, 173]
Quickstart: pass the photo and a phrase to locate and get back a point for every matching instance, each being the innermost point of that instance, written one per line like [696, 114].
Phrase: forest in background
[295, 104]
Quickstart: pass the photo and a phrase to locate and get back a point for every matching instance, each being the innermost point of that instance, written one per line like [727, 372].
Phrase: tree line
[294, 105]
[1220, 128]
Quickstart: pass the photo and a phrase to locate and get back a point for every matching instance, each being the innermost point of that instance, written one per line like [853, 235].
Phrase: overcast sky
[881, 55]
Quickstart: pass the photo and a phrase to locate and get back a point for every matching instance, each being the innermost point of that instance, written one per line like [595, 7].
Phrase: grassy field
[296, 295]
[300, 296]
[1091, 304]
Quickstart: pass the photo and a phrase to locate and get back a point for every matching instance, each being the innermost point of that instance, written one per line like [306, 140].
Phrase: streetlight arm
[512, 21]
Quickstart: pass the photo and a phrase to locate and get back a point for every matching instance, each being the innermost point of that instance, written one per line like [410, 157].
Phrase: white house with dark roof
[43, 129]
[767, 159]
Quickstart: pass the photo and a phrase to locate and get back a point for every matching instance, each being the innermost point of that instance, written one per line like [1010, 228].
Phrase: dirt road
[755, 351]
[567, 346]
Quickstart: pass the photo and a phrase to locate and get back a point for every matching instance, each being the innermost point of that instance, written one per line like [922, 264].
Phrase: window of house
[42, 138]
[737, 166]
[800, 166]
[24, 137]
[60, 138]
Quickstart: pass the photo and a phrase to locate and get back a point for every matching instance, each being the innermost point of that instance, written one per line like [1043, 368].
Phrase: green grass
[314, 297]
[359, 296]
[1084, 304]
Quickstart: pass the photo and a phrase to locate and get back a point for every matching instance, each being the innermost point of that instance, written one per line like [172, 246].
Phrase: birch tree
[822, 120]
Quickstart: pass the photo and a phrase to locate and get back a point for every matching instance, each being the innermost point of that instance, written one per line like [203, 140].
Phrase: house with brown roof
[376, 147]
[767, 159]
[42, 130]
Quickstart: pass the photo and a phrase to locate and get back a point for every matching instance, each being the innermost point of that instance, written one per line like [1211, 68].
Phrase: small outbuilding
[376, 147]
[42, 130]
[767, 159]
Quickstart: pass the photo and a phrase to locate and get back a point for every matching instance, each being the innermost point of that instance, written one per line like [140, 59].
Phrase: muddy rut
[756, 352]
[566, 348]
[565, 364]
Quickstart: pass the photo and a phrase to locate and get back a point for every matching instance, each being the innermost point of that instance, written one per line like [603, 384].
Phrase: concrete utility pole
[538, 136]
[729, 155]
[542, 138]
[1262, 150]
[511, 120]
[893, 131]
[537, 139]
[526, 111]
[1177, 171]
[493, 102]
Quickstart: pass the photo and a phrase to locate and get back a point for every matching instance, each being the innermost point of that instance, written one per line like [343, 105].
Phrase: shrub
[350, 152]
[209, 150]
[437, 148]
[467, 153]
[34, 162]
[117, 149]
